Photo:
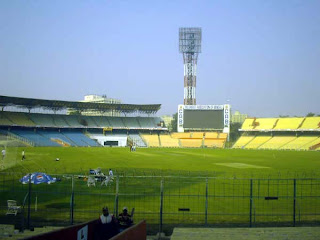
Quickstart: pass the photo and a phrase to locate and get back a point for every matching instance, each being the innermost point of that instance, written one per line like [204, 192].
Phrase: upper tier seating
[102, 121]
[242, 141]
[168, 141]
[257, 141]
[145, 122]
[44, 120]
[116, 122]
[264, 123]
[311, 123]
[299, 142]
[131, 122]
[59, 121]
[20, 119]
[4, 121]
[248, 124]
[277, 142]
[151, 140]
[288, 123]
[75, 121]
[72, 120]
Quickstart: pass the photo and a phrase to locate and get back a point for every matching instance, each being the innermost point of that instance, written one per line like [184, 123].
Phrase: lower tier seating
[277, 142]
[257, 142]
[196, 143]
[168, 141]
[54, 138]
[214, 143]
[243, 141]
[298, 142]
[151, 140]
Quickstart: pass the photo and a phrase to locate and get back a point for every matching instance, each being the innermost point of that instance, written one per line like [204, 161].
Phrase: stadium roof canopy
[57, 105]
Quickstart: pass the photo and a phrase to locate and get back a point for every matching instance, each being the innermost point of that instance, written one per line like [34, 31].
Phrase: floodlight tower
[190, 47]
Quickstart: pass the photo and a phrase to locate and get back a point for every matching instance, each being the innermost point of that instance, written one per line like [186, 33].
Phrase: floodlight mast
[190, 47]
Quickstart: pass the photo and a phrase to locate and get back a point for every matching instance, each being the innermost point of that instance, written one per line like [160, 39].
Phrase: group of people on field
[4, 152]
[109, 226]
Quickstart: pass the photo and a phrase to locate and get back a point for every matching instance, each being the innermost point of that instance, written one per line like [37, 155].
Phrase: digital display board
[203, 119]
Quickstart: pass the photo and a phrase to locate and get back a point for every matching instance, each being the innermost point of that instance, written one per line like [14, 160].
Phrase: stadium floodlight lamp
[190, 47]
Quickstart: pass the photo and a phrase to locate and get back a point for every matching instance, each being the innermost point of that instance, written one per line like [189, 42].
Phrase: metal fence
[166, 201]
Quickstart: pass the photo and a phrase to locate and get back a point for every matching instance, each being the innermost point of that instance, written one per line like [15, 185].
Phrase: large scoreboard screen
[204, 117]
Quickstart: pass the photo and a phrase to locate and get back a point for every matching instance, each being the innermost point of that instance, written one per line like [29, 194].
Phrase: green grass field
[192, 178]
[162, 161]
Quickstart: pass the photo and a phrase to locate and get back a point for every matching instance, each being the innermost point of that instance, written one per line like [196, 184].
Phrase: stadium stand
[194, 143]
[145, 122]
[311, 123]
[116, 122]
[277, 142]
[180, 135]
[243, 141]
[211, 135]
[56, 137]
[248, 124]
[223, 135]
[4, 121]
[257, 142]
[76, 121]
[299, 142]
[59, 121]
[20, 119]
[80, 139]
[197, 134]
[44, 120]
[151, 140]
[131, 122]
[311, 144]
[288, 123]
[298, 133]
[214, 143]
[265, 123]
[44, 129]
[35, 137]
[137, 140]
[7, 141]
[168, 141]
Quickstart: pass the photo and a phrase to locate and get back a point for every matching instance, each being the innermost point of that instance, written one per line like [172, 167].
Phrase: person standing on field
[3, 154]
[23, 155]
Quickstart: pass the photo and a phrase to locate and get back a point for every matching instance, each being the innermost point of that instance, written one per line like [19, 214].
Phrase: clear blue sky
[264, 56]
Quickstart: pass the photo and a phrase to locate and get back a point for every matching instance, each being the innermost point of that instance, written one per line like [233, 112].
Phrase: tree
[174, 122]
[234, 131]
[310, 114]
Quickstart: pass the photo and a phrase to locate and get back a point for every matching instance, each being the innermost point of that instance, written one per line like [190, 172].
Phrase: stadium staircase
[159, 141]
[301, 124]
[315, 147]
[72, 142]
[62, 143]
